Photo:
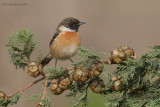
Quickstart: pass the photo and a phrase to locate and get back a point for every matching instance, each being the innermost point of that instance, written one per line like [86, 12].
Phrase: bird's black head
[70, 24]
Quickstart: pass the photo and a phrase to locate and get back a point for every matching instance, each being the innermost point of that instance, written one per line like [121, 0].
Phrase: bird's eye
[71, 24]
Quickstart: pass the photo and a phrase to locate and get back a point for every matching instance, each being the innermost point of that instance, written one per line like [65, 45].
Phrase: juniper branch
[136, 74]
[27, 86]
[44, 90]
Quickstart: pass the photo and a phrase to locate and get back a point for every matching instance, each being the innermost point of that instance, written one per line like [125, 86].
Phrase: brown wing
[54, 36]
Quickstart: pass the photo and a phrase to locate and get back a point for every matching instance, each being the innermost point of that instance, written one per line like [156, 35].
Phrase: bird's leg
[70, 59]
[55, 65]
[55, 62]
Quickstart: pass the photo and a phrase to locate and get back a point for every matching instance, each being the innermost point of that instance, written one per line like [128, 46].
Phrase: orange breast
[65, 45]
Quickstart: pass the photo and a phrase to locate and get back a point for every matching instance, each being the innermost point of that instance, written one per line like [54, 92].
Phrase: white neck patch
[63, 28]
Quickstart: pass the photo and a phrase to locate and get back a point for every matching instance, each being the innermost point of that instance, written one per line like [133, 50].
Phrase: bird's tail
[46, 60]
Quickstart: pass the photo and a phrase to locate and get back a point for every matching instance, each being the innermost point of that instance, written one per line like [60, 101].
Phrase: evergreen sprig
[13, 100]
[79, 91]
[20, 46]
[87, 57]
[138, 73]
[43, 102]
[139, 77]
[40, 56]
[54, 72]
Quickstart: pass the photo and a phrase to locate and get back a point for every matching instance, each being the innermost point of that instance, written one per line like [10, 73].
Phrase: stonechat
[65, 41]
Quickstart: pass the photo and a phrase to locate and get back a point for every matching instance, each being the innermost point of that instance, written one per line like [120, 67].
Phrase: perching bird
[65, 42]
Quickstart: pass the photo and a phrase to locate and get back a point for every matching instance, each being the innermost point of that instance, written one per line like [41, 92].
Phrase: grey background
[109, 24]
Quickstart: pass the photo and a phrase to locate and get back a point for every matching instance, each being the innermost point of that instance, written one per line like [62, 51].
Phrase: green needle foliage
[37, 98]
[140, 82]
[87, 57]
[79, 93]
[40, 56]
[54, 72]
[20, 47]
[13, 100]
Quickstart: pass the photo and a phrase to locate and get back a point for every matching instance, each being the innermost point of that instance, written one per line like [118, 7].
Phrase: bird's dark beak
[81, 23]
